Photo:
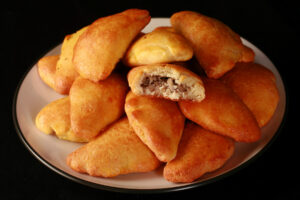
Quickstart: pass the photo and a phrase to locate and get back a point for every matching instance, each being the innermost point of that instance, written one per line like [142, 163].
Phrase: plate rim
[132, 190]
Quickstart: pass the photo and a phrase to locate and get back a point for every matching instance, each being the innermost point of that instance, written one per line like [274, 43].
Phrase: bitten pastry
[105, 42]
[256, 86]
[47, 68]
[158, 123]
[163, 45]
[54, 118]
[96, 105]
[216, 47]
[65, 70]
[167, 81]
[223, 112]
[117, 151]
[200, 151]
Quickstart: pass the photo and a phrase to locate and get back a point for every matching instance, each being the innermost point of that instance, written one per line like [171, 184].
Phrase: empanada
[117, 151]
[256, 86]
[163, 45]
[200, 151]
[216, 47]
[96, 105]
[158, 123]
[105, 42]
[223, 112]
[65, 70]
[167, 81]
[47, 68]
[54, 118]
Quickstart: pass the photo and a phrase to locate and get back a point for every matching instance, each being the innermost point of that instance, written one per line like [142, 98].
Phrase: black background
[32, 28]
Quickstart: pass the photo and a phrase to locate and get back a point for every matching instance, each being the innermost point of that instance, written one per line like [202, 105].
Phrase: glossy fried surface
[223, 112]
[96, 105]
[158, 123]
[54, 118]
[47, 68]
[65, 70]
[117, 151]
[256, 86]
[216, 47]
[105, 42]
[163, 45]
[200, 151]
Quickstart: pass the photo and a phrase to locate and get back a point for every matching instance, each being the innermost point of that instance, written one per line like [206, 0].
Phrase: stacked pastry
[193, 92]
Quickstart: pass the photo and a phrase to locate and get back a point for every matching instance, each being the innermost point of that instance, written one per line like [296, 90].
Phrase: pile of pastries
[179, 96]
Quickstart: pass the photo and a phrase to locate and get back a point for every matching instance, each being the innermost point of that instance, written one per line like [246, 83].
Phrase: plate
[32, 95]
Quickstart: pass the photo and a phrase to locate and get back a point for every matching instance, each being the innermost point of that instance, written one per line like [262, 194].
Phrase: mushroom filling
[162, 84]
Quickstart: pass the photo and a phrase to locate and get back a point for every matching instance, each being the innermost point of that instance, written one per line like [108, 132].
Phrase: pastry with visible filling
[117, 151]
[200, 151]
[105, 42]
[216, 47]
[168, 81]
[54, 118]
[256, 86]
[163, 45]
[158, 123]
[222, 112]
[96, 105]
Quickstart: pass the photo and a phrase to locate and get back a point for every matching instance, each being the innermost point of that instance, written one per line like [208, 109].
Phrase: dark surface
[31, 29]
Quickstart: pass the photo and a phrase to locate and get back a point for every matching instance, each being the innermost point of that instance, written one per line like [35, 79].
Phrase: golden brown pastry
[96, 105]
[200, 151]
[167, 81]
[47, 68]
[105, 42]
[65, 70]
[256, 86]
[163, 45]
[54, 118]
[158, 123]
[117, 151]
[216, 47]
[223, 112]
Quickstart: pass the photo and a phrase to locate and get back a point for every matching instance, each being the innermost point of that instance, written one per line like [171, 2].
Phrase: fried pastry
[216, 47]
[163, 45]
[200, 151]
[158, 123]
[223, 112]
[256, 86]
[65, 70]
[96, 105]
[167, 81]
[105, 42]
[117, 151]
[47, 68]
[54, 118]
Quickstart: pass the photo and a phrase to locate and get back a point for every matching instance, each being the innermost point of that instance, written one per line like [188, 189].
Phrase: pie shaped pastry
[105, 42]
[163, 45]
[117, 151]
[96, 105]
[223, 112]
[200, 151]
[47, 68]
[65, 71]
[168, 81]
[54, 118]
[216, 47]
[256, 86]
[158, 123]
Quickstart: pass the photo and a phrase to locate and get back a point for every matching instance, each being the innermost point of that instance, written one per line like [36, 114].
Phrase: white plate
[32, 95]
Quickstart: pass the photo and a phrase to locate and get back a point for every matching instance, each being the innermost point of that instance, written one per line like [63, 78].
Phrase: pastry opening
[163, 86]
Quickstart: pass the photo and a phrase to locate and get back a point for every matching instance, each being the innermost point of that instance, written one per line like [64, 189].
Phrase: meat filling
[162, 84]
